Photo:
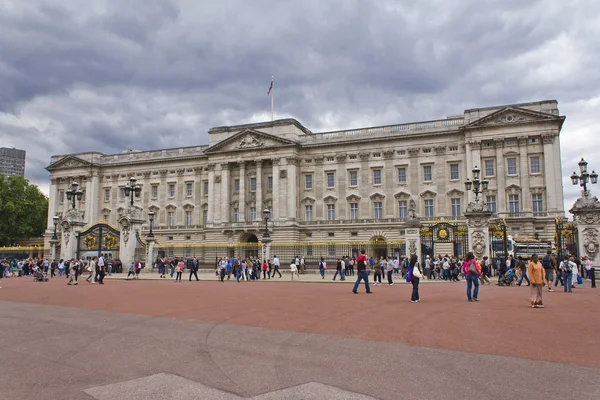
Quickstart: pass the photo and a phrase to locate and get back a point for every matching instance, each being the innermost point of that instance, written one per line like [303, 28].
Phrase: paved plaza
[157, 339]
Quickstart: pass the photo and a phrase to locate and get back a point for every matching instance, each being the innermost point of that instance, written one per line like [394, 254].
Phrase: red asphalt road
[502, 323]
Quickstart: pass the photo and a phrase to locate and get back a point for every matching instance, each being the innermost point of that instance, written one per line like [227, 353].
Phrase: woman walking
[179, 270]
[390, 270]
[417, 273]
[535, 271]
[472, 273]
[322, 268]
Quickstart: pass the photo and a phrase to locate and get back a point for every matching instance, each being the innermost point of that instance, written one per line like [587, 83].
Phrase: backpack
[409, 274]
[546, 262]
[566, 267]
[472, 269]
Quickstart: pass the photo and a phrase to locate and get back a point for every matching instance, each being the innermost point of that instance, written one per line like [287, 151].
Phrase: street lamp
[266, 215]
[74, 192]
[585, 177]
[151, 218]
[478, 186]
[55, 220]
[132, 188]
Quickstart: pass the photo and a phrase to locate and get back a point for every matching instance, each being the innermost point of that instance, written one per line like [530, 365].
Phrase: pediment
[513, 187]
[249, 139]
[455, 192]
[330, 198]
[68, 162]
[188, 206]
[106, 210]
[514, 116]
[377, 195]
[402, 194]
[428, 193]
[154, 208]
[171, 207]
[353, 197]
[307, 200]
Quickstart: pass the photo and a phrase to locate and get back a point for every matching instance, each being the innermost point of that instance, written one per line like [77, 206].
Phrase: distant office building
[12, 162]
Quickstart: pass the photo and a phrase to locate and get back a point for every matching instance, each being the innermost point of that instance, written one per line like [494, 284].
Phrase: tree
[23, 210]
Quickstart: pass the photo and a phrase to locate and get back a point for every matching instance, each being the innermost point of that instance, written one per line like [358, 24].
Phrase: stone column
[586, 213]
[276, 190]
[70, 225]
[500, 177]
[550, 177]
[52, 203]
[130, 223]
[93, 196]
[478, 221]
[211, 194]
[413, 238]
[242, 203]
[524, 175]
[225, 200]
[53, 244]
[258, 204]
[292, 188]
[149, 254]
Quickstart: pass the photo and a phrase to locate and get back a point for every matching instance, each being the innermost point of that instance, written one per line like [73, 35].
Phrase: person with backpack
[361, 268]
[472, 273]
[537, 275]
[549, 265]
[414, 273]
[567, 267]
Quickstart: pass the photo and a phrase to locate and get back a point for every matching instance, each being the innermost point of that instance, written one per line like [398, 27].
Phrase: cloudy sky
[110, 75]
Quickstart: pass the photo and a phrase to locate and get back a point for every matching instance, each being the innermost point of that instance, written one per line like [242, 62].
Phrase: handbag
[416, 272]
[472, 268]
[579, 280]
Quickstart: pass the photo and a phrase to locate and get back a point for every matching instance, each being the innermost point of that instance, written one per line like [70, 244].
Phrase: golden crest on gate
[110, 242]
[443, 233]
[91, 242]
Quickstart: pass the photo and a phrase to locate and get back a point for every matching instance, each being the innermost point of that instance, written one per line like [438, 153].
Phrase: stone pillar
[413, 238]
[130, 223]
[52, 203]
[586, 213]
[500, 177]
[292, 196]
[242, 197]
[551, 179]
[524, 175]
[70, 225]
[259, 203]
[225, 200]
[266, 249]
[53, 244]
[149, 254]
[478, 221]
[211, 194]
[276, 190]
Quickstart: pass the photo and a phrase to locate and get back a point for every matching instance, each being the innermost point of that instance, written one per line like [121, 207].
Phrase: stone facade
[350, 185]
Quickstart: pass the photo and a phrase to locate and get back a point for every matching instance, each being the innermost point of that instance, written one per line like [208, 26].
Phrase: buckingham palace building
[328, 193]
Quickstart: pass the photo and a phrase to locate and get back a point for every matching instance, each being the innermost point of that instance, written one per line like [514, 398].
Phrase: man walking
[549, 264]
[276, 265]
[194, 269]
[361, 267]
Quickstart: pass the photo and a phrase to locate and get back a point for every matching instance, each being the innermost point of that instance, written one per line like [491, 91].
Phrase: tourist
[390, 267]
[322, 268]
[101, 270]
[361, 268]
[61, 267]
[396, 267]
[350, 266]
[377, 272]
[588, 267]
[523, 268]
[294, 270]
[276, 265]
[52, 269]
[179, 270]
[90, 270]
[302, 265]
[549, 265]
[73, 267]
[567, 267]
[138, 268]
[414, 273]
[131, 271]
[338, 269]
[537, 276]
[472, 273]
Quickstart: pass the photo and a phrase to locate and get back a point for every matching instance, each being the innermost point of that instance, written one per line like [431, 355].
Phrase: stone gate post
[70, 226]
[413, 237]
[478, 222]
[586, 213]
[130, 223]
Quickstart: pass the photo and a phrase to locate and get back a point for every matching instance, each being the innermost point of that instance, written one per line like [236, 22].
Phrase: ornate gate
[100, 238]
[451, 238]
[566, 238]
[498, 240]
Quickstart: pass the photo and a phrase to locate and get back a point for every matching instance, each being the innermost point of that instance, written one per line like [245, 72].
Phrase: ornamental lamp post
[133, 188]
[151, 218]
[266, 237]
[74, 192]
[55, 220]
[584, 177]
[478, 186]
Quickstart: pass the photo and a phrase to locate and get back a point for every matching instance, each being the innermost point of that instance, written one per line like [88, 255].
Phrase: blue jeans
[362, 275]
[472, 279]
[322, 271]
[336, 274]
[524, 276]
[568, 282]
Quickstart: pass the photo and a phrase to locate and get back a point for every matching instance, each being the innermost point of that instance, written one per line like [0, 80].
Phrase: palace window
[330, 212]
[488, 168]
[402, 209]
[513, 203]
[189, 189]
[428, 207]
[205, 188]
[402, 175]
[376, 177]
[204, 216]
[427, 175]
[353, 178]
[378, 209]
[491, 203]
[171, 218]
[188, 218]
[253, 184]
[269, 183]
[252, 214]
[330, 180]
[534, 165]
[454, 172]
[106, 194]
[236, 214]
[171, 190]
[308, 181]
[61, 197]
[121, 194]
[105, 217]
[308, 212]
[511, 164]
[236, 186]
[154, 190]
[455, 208]
[537, 203]
[353, 211]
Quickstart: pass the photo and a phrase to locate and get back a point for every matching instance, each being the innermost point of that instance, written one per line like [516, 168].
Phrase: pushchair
[39, 275]
[508, 279]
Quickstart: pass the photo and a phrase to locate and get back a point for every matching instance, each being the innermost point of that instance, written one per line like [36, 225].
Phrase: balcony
[530, 214]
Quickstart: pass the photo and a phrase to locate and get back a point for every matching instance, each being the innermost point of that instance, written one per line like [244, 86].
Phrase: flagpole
[272, 98]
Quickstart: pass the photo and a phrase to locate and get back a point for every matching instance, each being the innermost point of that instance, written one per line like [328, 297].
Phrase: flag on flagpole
[271, 86]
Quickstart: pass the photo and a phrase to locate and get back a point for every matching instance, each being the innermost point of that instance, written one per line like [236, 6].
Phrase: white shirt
[276, 262]
[293, 267]
[302, 261]
[343, 265]
[101, 261]
[574, 269]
